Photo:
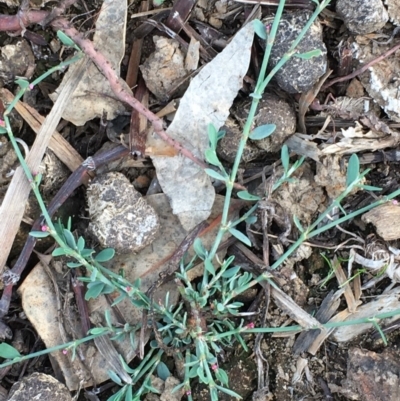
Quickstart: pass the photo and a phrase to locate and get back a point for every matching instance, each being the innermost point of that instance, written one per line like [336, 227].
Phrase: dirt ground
[341, 102]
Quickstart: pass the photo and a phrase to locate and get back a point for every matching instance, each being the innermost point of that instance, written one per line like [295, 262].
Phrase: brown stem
[12, 23]
[118, 88]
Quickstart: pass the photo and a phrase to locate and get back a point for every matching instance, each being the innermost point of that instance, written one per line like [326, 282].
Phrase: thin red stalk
[12, 23]
[117, 87]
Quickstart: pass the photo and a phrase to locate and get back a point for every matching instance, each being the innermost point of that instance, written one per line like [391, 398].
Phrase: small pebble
[39, 386]
[362, 16]
[271, 110]
[298, 75]
[120, 217]
[164, 67]
[227, 147]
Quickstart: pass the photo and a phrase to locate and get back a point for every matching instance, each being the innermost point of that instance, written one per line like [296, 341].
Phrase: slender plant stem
[66, 346]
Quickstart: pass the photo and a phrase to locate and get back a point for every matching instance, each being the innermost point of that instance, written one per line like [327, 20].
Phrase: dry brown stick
[363, 68]
[136, 52]
[13, 206]
[116, 85]
[12, 23]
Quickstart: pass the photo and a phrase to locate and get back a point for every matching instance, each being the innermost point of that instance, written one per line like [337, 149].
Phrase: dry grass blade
[344, 282]
[13, 206]
[63, 150]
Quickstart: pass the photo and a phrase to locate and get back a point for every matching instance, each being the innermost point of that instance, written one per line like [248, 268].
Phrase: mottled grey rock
[164, 67]
[16, 60]
[120, 217]
[228, 145]
[271, 110]
[39, 386]
[298, 75]
[362, 16]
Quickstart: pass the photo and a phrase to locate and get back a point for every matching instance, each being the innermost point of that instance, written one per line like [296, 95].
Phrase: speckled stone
[39, 386]
[298, 75]
[120, 217]
[16, 60]
[362, 16]
[228, 145]
[271, 110]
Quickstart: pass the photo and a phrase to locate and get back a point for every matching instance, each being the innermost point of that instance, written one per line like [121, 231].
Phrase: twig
[79, 176]
[364, 68]
[12, 23]
[117, 87]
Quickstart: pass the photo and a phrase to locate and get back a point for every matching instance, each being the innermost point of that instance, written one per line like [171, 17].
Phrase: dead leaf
[207, 101]
[93, 95]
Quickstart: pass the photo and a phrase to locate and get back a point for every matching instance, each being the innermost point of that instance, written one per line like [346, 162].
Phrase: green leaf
[201, 375]
[212, 157]
[353, 169]
[107, 316]
[23, 83]
[114, 377]
[8, 352]
[240, 236]
[94, 290]
[209, 266]
[235, 305]
[222, 376]
[69, 223]
[128, 395]
[163, 371]
[259, 29]
[138, 303]
[285, 158]
[247, 196]
[87, 252]
[105, 255]
[176, 388]
[212, 136]
[69, 238]
[215, 175]
[262, 132]
[147, 385]
[99, 330]
[251, 219]
[229, 392]
[117, 396]
[3, 130]
[72, 265]
[370, 188]
[231, 272]
[60, 252]
[126, 367]
[308, 55]
[39, 234]
[66, 40]
[221, 134]
[80, 244]
[193, 371]
[298, 224]
[199, 248]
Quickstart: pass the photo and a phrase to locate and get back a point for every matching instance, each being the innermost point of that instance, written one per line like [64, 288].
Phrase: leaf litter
[191, 194]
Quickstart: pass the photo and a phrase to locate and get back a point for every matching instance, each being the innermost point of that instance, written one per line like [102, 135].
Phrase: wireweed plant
[208, 317]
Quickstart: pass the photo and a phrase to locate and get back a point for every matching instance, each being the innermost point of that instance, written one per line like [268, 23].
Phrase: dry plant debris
[93, 96]
[215, 90]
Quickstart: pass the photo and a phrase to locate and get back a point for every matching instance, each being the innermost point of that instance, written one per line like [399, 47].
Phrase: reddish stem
[118, 88]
